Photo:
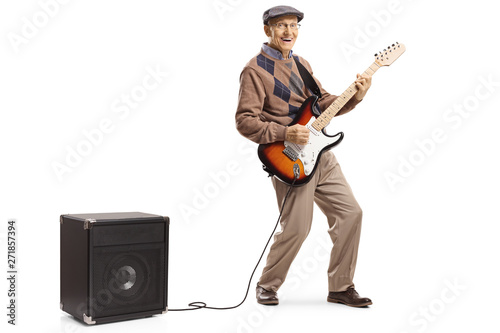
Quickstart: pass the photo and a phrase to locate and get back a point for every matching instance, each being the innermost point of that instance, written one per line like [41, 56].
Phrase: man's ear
[267, 30]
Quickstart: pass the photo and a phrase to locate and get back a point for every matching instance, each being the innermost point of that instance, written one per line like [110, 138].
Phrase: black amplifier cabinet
[114, 266]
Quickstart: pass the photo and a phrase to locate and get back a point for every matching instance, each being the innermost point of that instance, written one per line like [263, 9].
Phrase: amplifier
[114, 266]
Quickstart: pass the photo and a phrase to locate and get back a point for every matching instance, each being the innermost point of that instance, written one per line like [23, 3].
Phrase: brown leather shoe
[266, 297]
[349, 297]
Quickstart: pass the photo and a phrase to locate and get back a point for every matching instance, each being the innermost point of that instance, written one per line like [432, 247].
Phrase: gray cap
[281, 11]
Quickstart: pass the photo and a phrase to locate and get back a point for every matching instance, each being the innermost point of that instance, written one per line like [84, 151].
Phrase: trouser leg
[335, 198]
[295, 226]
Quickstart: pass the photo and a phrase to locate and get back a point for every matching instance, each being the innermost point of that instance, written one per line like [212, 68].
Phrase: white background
[435, 227]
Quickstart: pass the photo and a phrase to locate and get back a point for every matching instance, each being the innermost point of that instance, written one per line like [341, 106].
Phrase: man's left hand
[363, 83]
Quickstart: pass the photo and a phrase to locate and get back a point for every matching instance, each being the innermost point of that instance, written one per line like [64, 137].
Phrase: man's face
[282, 39]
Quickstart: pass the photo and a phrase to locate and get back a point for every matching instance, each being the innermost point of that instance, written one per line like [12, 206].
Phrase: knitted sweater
[271, 93]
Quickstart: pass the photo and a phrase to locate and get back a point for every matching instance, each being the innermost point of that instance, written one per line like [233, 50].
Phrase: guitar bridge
[291, 153]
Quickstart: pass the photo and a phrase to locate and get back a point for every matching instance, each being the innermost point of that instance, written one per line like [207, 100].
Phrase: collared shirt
[274, 53]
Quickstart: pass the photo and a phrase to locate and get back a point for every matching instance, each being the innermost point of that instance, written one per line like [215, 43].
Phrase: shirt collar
[274, 53]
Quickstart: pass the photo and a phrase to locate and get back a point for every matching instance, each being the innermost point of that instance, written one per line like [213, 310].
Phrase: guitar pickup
[291, 153]
[311, 128]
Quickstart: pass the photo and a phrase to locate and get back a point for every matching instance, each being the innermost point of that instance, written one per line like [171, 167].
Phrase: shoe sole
[268, 302]
[332, 300]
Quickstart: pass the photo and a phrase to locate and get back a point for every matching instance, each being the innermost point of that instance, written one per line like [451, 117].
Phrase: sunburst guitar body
[280, 157]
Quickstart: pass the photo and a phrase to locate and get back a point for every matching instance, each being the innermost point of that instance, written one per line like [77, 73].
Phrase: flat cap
[278, 11]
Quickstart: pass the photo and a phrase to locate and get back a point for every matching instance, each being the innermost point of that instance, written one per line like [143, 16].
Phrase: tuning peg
[392, 44]
[376, 54]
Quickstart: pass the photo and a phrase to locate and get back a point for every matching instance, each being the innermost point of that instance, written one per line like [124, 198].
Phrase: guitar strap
[307, 78]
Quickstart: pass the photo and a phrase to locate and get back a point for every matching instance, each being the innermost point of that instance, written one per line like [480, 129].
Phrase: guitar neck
[327, 115]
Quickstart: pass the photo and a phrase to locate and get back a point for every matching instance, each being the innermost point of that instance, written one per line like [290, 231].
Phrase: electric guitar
[295, 164]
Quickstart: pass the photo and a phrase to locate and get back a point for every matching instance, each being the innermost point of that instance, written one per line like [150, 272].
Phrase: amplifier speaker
[114, 266]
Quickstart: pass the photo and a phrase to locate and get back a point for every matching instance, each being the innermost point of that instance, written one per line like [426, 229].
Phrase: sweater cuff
[353, 101]
[281, 133]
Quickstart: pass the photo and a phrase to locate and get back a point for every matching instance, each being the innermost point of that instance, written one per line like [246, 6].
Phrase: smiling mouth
[287, 40]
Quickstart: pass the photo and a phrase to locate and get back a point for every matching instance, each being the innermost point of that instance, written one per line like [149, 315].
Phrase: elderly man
[271, 93]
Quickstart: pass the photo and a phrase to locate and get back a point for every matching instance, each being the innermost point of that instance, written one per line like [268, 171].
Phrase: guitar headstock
[389, 55]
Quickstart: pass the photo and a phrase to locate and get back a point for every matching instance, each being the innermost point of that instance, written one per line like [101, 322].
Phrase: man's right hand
[297, 134]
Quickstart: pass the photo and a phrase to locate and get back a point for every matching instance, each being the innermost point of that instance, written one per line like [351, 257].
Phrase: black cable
[203, 305]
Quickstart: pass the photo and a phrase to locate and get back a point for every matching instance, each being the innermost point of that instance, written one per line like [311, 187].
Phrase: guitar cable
[203, 305]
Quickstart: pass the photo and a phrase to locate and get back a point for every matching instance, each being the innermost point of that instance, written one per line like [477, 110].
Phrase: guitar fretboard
[327, 115]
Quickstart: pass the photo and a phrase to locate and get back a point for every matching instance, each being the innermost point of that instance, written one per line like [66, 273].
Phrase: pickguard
[308, 153]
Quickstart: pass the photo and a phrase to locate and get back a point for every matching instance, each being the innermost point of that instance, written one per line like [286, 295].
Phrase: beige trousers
[330, 191]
